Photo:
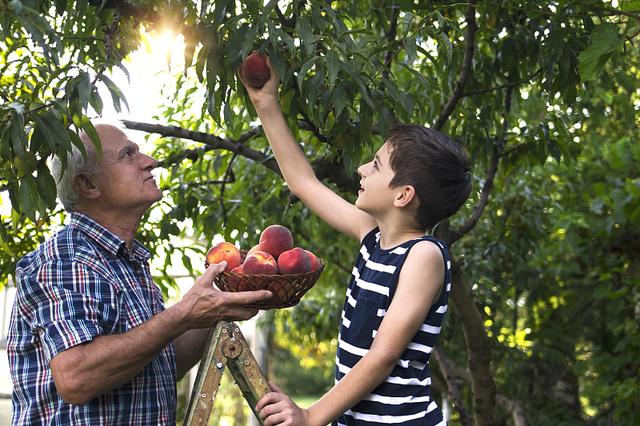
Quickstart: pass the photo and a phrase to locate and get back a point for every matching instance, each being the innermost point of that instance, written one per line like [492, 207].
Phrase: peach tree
[544, 95]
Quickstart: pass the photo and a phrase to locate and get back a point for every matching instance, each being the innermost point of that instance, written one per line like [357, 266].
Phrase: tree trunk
[478, 345]
[478, 349]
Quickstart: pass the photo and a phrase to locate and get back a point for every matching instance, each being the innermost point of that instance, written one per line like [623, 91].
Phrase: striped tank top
[404, 398]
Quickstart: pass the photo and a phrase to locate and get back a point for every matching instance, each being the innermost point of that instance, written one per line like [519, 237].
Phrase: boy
[398, 293]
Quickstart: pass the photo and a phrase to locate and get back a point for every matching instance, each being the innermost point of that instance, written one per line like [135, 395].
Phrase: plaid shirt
[80, 284]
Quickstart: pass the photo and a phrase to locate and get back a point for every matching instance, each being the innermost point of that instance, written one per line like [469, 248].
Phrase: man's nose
[149, 162]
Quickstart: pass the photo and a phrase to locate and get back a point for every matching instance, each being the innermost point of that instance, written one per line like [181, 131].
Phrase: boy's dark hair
[437, 168]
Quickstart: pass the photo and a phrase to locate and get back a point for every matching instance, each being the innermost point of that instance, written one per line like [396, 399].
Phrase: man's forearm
[85, 371]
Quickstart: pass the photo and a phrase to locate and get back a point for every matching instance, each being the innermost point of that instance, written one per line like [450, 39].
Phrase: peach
[224, 251]
[254, 248]
[260, 262]
[238, 270]
[276, 239]
[235, 281]
[315, 262]
[294, 261]
[255, 71]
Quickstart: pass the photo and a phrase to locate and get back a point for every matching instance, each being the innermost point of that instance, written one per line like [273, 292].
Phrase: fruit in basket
[276, 239]
[294, 261]
[224, 251]
[254, 248]
[260, 262]
[315, 262]
[255, 70]
[238, 270]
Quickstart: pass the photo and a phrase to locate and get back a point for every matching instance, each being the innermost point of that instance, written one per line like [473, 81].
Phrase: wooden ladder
[226, 347]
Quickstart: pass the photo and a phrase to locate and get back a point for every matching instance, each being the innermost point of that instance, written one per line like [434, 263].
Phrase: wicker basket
[287, 289]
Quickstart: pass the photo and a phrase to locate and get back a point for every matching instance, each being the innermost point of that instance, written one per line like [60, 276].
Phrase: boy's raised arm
[297, 172]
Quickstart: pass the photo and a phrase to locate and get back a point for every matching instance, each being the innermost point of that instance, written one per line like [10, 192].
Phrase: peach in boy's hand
[255, 70]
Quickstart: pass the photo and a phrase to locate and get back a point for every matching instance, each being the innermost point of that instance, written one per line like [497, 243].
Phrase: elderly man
[89, 340]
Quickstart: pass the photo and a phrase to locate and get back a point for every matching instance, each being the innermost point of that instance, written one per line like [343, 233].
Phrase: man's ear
[86, 187]
[405, 196]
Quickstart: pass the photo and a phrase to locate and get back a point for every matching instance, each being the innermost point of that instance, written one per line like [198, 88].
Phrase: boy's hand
[265, 94]
[276, 408]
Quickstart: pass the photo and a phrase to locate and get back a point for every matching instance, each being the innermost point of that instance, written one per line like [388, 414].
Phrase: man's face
[124, 177]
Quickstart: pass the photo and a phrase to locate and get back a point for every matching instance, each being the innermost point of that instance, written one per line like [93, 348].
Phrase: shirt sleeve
[68, 304]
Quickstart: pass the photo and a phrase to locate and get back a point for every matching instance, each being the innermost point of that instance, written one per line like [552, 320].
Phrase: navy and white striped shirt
[78, 285]
[404, 398]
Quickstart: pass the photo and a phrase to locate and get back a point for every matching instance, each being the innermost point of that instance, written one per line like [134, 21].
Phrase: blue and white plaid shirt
[80, 284]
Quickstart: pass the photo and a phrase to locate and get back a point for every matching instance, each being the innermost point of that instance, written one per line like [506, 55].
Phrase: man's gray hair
[76, 164]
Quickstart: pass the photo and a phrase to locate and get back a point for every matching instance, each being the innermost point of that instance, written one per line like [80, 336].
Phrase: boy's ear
[405, 196]
[86, 187]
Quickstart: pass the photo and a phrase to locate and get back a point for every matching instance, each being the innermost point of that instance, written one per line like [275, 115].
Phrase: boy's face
[375, 196]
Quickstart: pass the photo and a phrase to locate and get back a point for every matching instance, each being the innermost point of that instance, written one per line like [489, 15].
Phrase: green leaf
[28, 197]
[42, 131]
[303, 27]
[18, 137]
[333, 66]
[116, 93]
[83, 87]
[605, 40]
[46, 186]
[96, 101]
[90, 130]
[302, 73]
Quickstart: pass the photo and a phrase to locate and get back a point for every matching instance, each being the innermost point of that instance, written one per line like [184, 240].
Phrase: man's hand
[276, 408]
[204, 304]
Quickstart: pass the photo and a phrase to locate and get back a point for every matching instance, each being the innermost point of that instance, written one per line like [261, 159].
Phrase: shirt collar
[107, 239]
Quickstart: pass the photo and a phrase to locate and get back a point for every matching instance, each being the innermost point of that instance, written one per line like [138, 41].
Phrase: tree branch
[390, 35]
[514, 407]
[212, 141]
[502, 86]
[450, 378]
[466, 66]
[324, 169]
[498, 148]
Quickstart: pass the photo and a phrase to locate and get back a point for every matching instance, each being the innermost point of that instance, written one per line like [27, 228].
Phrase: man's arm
[297, 172]
[411, 303]
[87, 370]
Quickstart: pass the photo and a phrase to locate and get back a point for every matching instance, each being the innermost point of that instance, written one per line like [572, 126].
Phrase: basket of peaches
[273, 264]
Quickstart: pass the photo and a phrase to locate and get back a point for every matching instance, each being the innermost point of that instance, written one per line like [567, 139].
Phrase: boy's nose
[362, 169]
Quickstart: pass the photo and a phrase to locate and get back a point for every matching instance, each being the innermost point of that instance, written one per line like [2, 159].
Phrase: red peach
[294, 261]
[276, 239]
[315, 262]
[235, 281]
[254, 248]
[255, 70]
[260, 262]
[238, 270]
[224, 251]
